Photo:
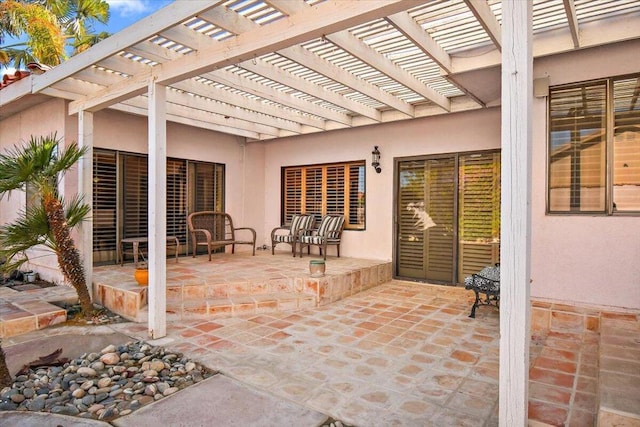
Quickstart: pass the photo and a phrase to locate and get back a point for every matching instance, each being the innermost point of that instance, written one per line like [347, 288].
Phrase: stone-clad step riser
[238, 306]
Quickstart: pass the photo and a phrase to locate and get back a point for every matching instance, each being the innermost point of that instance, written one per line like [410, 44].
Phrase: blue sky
[127, 12]
[123, 13]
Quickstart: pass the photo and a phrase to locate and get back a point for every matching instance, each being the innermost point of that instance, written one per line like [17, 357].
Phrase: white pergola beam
[157, 211]
[189, 121]
[312, 23]
[515, 232]
[486, 18]
[404, 23]
[313, 62]
[277, 74]
[572, 21]
[142, 30]
[247, 85]
[349, 43]
[202, 115]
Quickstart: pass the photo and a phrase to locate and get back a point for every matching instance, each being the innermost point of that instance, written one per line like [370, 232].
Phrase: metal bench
[486, 282]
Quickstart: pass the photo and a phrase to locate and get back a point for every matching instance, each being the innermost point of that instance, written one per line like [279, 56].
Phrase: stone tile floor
[404, 354]
[400, 354]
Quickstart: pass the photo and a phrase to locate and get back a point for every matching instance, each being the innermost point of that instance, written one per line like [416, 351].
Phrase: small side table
[135, 241]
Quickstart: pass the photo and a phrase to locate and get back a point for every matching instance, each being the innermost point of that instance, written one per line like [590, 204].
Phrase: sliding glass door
[447, 216]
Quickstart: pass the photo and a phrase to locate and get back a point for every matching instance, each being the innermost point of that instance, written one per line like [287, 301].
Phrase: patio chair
[298, 222]
[328, 233]
[216, 230]
[486, 282]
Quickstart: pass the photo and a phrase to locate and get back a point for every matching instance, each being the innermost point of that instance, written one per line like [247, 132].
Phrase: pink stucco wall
[41, 120]
[587, 259]
[477, 130]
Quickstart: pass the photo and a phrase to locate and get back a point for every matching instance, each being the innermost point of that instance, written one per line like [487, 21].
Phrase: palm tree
[37, 166]
[50, 26]
[45, 36]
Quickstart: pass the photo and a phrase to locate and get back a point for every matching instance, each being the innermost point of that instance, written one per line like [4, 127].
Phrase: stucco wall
[587, 259]
[468, 131]
[40, 120]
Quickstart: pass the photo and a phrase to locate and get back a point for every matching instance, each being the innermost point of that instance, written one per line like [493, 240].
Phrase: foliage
[39, 164]
[50, 27]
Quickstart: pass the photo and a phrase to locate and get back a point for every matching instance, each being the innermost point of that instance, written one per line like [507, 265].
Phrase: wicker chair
[329, 232]
[290, 234]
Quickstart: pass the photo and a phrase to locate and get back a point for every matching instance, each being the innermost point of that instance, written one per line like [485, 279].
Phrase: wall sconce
[375, 159]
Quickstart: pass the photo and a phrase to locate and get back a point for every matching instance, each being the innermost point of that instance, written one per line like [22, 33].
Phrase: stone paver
[398, 354]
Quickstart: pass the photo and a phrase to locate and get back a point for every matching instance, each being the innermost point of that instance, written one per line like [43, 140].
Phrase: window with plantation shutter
[207, 186]
[135, 189]
[177, 200]
[120, 197]
[105, 205]
[325, 189]
[313, 184]
[292, 200]
[594, 168]
[335, 188]
[479, 212]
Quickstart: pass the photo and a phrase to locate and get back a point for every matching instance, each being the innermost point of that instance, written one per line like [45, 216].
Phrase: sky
[123, 13]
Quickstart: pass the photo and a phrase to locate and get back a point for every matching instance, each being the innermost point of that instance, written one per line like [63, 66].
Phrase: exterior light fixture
[375, 159]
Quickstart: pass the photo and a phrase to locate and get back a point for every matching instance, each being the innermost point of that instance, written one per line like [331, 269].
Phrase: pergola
[271, 69]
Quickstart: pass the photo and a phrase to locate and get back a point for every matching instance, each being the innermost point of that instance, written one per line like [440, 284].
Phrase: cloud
[126, 8]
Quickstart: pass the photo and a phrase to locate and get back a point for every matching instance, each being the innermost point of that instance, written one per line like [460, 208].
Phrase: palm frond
[76, 210]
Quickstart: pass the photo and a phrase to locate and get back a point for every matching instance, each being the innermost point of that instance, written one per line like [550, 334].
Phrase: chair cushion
[283, 238]
[330, 224]
[487, 280]
[296, 221]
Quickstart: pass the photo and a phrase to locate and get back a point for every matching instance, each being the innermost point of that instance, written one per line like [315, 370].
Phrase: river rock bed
[105, 385]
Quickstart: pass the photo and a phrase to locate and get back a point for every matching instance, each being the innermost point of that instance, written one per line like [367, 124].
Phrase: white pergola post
[85, 187]
[157, 211]
[515, 253]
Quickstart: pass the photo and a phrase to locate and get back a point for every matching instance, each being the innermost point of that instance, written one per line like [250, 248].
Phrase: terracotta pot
[142, 276]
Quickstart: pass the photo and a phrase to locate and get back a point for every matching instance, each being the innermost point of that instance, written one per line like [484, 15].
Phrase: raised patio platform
[236, 284]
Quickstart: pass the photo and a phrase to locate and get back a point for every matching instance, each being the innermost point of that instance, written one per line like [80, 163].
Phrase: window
[325, 189]
[120, 202]
[594, 147]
